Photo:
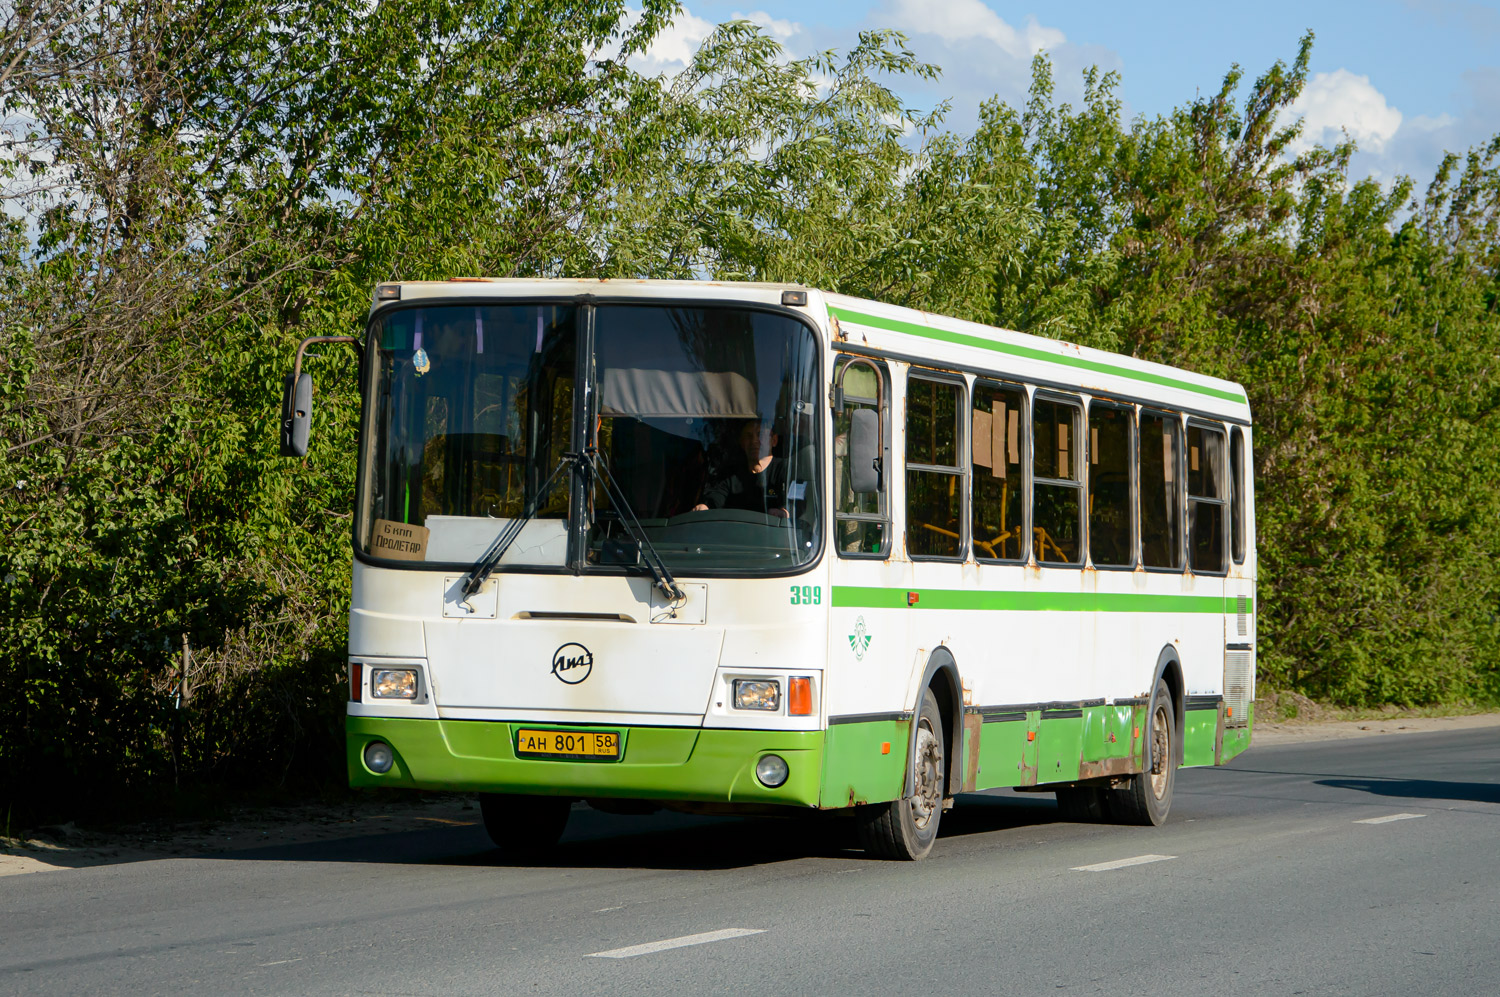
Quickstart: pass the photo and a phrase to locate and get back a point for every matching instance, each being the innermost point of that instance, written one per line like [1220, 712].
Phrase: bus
[756, 548]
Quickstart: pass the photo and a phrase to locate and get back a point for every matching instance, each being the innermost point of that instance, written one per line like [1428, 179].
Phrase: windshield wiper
[490, 559]
[588, 460]
[626, 515]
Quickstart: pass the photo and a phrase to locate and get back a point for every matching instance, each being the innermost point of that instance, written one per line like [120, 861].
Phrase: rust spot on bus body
[973, 727]
[1106, 767]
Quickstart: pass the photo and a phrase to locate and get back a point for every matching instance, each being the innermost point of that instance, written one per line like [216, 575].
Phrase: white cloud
[965, 20]
[674, 47]
[778, 28]
[1340, 102]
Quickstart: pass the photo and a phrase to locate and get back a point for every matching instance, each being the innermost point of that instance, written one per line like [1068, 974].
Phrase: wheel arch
[1169, 670]
[941, 676]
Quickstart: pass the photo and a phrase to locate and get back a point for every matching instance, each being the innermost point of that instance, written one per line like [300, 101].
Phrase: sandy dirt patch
[1331, 730]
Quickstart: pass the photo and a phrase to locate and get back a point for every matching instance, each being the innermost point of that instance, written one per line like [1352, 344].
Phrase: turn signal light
[356, 681]
[799, 699]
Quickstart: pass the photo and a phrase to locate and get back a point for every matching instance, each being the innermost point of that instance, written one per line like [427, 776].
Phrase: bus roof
[925, 338]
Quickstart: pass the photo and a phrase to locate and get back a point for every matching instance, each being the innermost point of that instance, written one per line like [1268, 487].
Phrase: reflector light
[912, 598]
[799, 700]
[356, 682]
[1031, 735]
[885, 747]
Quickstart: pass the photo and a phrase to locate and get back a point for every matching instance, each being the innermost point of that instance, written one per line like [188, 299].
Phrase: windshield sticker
[420, 363]
[859, 640]
[399, 541]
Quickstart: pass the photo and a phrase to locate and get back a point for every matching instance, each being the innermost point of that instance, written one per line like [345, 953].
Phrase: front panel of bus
[610, 442]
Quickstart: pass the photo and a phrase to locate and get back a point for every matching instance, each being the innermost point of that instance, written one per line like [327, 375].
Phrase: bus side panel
[1200, 735]
[1059, 748]
[864, 763]
[1237, 740]
[1007, 752]
[1111, 740]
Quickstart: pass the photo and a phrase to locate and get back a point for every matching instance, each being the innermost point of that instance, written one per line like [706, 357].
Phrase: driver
[750, 477]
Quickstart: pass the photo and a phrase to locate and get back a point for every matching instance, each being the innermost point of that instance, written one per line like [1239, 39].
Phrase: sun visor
[630, 391]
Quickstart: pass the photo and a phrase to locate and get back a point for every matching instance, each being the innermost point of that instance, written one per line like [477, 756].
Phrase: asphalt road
[1283, 873]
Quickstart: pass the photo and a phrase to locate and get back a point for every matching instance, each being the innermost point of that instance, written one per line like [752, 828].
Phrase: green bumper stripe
[860, 597]
[1030, 353]
[660, 763]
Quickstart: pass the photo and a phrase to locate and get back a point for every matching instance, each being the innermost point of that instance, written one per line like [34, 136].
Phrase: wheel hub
[1161, 746]
[928, 797]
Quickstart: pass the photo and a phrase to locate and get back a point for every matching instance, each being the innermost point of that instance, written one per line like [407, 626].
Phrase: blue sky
[1406, 78]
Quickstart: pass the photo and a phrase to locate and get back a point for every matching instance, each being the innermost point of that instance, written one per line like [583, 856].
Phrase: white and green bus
[733, 547]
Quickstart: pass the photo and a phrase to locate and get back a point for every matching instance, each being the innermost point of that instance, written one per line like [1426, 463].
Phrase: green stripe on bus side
[1029, 352]
[860, 597]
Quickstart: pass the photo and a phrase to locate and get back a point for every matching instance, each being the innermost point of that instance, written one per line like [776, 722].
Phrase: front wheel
[1147, 797]
[906, 829]
[524, 825]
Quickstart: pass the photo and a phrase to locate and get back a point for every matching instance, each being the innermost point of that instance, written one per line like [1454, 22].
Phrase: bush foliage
[194, 188]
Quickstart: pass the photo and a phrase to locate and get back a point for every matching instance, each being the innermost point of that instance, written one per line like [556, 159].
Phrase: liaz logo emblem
[572, 663]
[859, 640]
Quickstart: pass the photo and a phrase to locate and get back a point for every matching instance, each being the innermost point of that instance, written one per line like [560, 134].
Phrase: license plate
[589, 745]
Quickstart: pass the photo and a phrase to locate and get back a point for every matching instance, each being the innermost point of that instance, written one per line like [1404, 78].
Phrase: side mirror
[864, 450]
[296, 398]
[296, 414]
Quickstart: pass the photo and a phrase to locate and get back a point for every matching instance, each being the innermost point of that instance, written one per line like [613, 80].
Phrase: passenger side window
[934, 496]
[1160, 505]
[862, 519]
[1206, 499]
[1111, 537]
[1057, 489]
[998, 492]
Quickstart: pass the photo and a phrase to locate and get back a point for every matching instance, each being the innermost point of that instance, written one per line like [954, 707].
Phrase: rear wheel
[1147, 797]
[524, 825]
[905, 829]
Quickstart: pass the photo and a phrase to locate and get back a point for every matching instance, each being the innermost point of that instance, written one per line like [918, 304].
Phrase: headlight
[393, 683]
[757, 694]
[771, 770]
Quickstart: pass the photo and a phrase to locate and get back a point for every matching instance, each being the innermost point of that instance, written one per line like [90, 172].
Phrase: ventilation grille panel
[1239, 687]
[1242, 608]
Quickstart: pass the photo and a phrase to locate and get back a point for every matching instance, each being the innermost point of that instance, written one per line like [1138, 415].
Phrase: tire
[1147, 798]
[1082, 804]
[906, 829]
[524, 825]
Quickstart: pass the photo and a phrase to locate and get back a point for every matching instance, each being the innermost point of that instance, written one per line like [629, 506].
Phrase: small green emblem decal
[859, 640]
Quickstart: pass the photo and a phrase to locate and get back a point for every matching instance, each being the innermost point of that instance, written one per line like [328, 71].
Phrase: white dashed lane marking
[703, 938]
[1387, 820]
[1122, 863]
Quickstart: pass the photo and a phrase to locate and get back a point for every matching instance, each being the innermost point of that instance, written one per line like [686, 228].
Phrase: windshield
[705, 420]
[471, 412]
[704, 417]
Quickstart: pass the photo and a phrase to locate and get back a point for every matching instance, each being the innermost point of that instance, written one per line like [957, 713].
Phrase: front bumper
[659, 763]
